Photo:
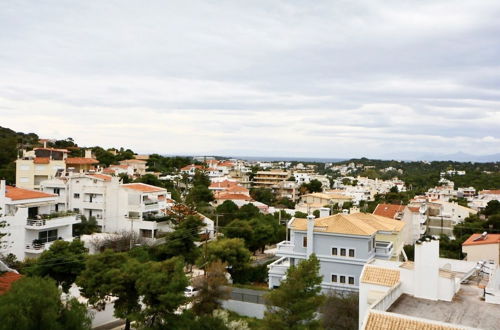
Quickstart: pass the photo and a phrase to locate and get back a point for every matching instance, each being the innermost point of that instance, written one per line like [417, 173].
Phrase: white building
[32, 221]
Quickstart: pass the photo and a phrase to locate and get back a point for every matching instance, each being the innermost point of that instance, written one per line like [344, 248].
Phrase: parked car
[191, 291]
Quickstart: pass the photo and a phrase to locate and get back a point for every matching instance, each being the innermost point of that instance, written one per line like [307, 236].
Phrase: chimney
[2, 189]
[310, 234]
[324, 212]
[426, 269]
[88, 153]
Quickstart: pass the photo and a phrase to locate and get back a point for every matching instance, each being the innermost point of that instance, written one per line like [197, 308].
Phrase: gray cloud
[322, 78]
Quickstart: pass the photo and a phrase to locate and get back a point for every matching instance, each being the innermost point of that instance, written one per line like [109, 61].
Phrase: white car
[191, 291]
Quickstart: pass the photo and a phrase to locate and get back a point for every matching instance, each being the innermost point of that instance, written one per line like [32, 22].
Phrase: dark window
[334, 251]
[76, 195]
[47, 236]
[351, 280]
[351, 253]
[304, 241]
[343, 252]
[342, 279]
[334, 278]
[369, 246]
[57, 191]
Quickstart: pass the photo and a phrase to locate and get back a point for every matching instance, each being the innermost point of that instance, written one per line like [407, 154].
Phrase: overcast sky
[273, 78]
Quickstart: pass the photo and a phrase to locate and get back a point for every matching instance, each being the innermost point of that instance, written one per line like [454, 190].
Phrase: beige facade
[482, 252]
[269, 179]
[39, 165]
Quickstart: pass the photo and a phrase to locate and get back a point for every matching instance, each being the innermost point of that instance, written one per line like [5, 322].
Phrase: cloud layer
[273, 78]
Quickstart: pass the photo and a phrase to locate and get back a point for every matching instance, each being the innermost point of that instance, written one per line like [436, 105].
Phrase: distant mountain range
[462, 157]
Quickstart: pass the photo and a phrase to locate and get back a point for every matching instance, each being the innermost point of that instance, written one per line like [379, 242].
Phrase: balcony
[383, 249]
[34, 248]
[279, 267]
[53, 221]
[285, 247]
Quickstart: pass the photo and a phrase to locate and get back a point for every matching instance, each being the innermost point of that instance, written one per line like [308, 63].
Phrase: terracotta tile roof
[6, 280]
[380, 276]
[16, 194]
[388, 210]
[108, 170]
[414, 209]
[226, 164]
[119, 166]
[490, 192]
[490, 239]
[223, 184]
[81, 161]
[236, 189]
[391, 321]
[143, 187]
[234, 196]
[352, 224]
[41, 160]
[188, 167]
[101, 176]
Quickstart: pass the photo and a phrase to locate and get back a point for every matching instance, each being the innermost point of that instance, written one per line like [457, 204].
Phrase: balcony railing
[35, 248]
[53, 220]
[383, 249]
[280, 266]
[286, 246]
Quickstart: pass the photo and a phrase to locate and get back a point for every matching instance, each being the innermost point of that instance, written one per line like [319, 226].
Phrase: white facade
[32, 223]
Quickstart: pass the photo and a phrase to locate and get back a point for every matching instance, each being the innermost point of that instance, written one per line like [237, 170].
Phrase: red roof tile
[234, 196]
[143, 187]
[101, 176]
[490, 192]
[41, 160]
[81, 161]
[388, 210]
[16, 194]
[490, 239]
[6, 280]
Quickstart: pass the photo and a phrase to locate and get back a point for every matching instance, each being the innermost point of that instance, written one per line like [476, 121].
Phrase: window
[76, 196]
[334, 251]
[351, 280]
[334, 278]
[47, 236]
[342, 279]
[351, 253]
[304, 241]
[373, 242]
[57, 191]
[343, 252]
[369, 246]
[77, 210]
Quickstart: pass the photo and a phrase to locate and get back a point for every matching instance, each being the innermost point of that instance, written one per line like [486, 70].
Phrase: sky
[339, 79]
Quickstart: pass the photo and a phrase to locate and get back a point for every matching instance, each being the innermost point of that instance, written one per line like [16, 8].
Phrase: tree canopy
[295, 303]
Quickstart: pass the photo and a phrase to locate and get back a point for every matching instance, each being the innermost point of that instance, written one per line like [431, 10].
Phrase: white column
[310, 235]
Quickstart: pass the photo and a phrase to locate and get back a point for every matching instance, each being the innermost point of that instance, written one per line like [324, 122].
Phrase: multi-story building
[342, 243]
[32, 221]
[315, 201]
[146, 209]
[138, 166]
[42, 164]
[482, 247]
[270, 179]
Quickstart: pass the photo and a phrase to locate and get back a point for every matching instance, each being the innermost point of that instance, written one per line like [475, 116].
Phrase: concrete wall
[481, 252]
[245, 308]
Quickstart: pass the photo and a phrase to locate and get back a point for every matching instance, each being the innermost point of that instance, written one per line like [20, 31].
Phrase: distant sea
[272, 158]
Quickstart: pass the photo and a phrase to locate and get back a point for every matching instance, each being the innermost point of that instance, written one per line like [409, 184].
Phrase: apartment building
[146, 209]
[41, 164]
[270, 179]
[138, 166]
[32, 222]
[437, 216]
[315, 201]
[342, 243]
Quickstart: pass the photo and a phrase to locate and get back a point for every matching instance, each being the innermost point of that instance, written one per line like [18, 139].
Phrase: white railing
[35, 248]
[386, 301]
[280, 266]
[286, 246]
[383, 248]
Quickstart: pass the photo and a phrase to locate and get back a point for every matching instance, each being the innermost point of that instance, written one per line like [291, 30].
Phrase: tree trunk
[127, 324]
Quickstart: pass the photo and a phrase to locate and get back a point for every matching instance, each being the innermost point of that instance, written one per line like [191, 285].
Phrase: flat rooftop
[466, 309]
